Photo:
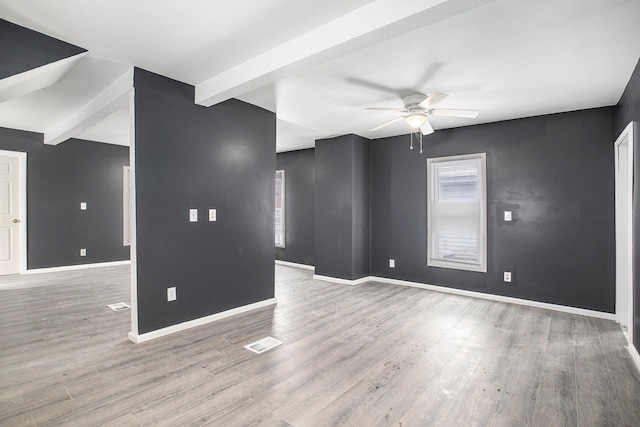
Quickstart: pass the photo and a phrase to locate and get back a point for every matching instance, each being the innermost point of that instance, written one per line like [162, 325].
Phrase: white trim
[624, 248]
[133, 244]
[140, 338]
[22, 184]
[635, 357]
[473, 294]
[434, 205]
[23, 212]
[76, 267]
[499, 298]
[343, 281]
[295, 264]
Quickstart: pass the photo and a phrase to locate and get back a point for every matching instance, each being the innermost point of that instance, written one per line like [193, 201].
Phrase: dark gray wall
[333, 207]
[300, 183]
[58, 179]
[189, 156]
[361, 228]
[342, 207]
[628, 109]
[555, 172]
[22, 49]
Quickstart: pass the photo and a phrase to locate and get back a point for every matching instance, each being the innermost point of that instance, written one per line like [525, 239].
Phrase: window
[457, 212]
[126, 205]
[280, 209]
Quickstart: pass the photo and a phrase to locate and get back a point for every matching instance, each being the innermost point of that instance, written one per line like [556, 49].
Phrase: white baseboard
[473, 294]
[635, 357]
[75, 267]
[500, 298]
[295, 264]
[140, 338]
[343, 281]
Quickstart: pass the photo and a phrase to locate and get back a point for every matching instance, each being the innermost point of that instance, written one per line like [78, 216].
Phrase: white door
[10, 214]
[624, 245]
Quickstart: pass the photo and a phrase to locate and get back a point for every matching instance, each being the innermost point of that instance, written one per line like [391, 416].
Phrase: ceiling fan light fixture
[416, 120]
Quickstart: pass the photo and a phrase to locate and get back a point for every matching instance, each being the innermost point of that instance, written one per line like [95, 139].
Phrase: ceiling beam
[36, 79]
[373, 23]
[107, 102]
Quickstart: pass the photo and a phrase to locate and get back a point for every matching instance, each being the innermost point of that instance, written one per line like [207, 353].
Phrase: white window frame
[280, 239]
[126, 206]
[468, 212]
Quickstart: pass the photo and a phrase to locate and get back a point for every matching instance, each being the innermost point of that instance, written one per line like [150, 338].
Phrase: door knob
[16, 220]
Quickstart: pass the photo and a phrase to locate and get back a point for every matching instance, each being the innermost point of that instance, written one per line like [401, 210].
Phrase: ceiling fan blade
[426, 128]
[386, 109]
[387, 123]
[469, 114]
[433, 99]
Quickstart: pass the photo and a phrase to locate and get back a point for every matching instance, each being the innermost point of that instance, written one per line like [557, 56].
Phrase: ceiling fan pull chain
[411, 137]
[420, 142]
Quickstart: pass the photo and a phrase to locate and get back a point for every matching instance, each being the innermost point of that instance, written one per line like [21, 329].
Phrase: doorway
[13, 208]
[623, 148]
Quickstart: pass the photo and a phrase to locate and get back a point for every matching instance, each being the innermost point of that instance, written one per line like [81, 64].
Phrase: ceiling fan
[417, 107]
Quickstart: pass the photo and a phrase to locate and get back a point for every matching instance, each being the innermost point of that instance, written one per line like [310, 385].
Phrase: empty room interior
[303, 213]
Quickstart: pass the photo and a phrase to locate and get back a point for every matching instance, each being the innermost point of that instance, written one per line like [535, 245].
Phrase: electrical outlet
[83, 252]
[508, 216]
[83, 206]
[171, 294]
[506, 276]
[193, 215]
[212, 215]
[392, 263]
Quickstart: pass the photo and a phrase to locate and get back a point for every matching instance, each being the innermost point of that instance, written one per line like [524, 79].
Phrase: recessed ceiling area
[318, 65]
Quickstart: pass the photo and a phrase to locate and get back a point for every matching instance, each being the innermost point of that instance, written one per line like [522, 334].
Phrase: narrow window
[457, 213]
[280, 206]
[126, 205]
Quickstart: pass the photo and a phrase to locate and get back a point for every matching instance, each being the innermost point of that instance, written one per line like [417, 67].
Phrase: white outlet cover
[212, 215]
[392, 263]
[83, 252]
[508, 216]
[83, 206]
[193, 215]
[171, 293]
[507, 276]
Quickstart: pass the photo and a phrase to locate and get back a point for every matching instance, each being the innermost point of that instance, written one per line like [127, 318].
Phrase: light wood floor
[368, 355]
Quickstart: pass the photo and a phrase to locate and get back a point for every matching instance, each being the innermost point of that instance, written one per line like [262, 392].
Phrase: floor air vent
[263, 345]
[119, 306]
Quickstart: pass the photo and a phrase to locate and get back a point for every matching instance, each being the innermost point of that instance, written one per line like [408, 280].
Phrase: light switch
[508, 216]
[392, 263]
[193, 215]
[171, 294]
[212, 214]
[83, 206]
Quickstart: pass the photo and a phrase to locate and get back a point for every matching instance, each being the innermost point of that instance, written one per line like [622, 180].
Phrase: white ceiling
[319, 64]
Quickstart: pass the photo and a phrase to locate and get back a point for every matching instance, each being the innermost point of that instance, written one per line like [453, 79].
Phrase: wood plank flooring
[368, 355]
